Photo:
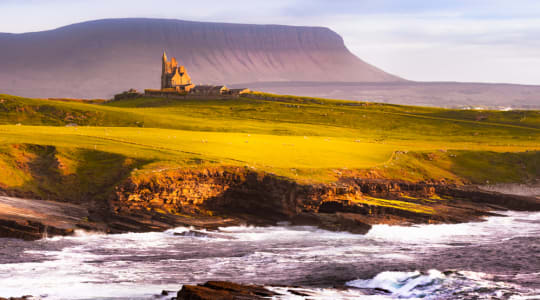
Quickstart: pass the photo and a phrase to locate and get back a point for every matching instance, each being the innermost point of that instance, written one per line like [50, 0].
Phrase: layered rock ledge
[350, 204]
[223, 290]
[216, 197]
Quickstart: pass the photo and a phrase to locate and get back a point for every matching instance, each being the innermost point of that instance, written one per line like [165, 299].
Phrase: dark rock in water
[298, 293]
[223, 290]
[35, 219]
[29, 230]
[333, 222]
[383, 290]
[201, 234]
[27, 297]
[193, 233]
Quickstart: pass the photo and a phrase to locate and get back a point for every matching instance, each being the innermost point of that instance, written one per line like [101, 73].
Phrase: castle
[176, 83]
[174, 76]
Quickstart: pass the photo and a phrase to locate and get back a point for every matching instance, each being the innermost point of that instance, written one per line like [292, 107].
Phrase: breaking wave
[493, 259]
[434, 284]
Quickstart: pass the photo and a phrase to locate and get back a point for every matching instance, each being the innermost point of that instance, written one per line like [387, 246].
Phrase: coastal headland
[149, 164]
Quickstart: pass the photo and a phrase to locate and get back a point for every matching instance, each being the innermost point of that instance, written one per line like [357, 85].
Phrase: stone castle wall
[184, 96]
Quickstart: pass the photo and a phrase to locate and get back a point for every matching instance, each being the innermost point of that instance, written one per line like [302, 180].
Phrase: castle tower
[174, 76]
[164, 70]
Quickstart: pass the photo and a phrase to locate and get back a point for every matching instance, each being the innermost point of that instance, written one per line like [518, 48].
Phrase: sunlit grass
[296, 137]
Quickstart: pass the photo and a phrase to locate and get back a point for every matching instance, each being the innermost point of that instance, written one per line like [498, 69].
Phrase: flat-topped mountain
[99, 58]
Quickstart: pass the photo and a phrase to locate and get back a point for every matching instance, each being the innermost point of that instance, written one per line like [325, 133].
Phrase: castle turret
[165, 70]
[174, 76]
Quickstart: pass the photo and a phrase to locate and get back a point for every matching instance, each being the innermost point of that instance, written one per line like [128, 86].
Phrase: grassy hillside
[304, 139]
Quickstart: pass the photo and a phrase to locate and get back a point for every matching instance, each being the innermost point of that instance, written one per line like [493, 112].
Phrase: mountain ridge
[98, 58]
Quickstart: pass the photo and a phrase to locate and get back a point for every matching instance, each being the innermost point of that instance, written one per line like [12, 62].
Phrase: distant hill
[97, 59]
[100, 58]
[440, 94]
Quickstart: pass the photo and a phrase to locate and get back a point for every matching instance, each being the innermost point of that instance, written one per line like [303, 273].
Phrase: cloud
[464, 8]
[448, 49]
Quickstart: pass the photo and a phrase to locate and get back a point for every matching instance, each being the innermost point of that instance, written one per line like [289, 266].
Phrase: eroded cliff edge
[350, 204]
[211, 197]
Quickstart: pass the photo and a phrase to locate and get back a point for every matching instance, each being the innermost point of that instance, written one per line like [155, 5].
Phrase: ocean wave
[435, 284]
[437, 235]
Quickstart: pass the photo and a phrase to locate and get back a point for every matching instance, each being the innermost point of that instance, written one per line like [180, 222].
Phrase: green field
[310, 140]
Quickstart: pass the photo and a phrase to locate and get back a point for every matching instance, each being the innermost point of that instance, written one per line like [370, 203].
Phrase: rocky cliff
[100, 191]
[224, 196]
[100, 58]
[351, 204]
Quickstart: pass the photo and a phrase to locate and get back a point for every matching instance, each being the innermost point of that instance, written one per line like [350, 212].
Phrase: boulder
[334, 222]
[224, 290]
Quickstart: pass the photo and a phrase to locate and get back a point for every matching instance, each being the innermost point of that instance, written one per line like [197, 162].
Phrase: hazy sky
[432, 40]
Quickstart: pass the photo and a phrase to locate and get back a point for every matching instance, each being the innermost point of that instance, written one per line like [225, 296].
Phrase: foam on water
[434, 284]
[402, 284]
[287, 293]
[251, 233]
[138, 265]
[436, 234]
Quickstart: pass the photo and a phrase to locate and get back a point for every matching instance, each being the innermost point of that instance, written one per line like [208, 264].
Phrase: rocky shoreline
[350, 204]
[226, 290]
[211, 290]
[217, 197]
[223, 290]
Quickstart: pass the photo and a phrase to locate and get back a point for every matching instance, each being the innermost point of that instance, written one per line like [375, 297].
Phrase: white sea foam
[437, 234]
[136, 264]
[78, 233]
[527, 297]
[403, 284]
[437, 285]
[287, 293]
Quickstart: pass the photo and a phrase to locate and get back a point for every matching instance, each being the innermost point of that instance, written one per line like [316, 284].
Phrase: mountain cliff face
[100, 58]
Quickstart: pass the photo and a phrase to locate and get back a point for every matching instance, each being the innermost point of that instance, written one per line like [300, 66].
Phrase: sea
[495, 259]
